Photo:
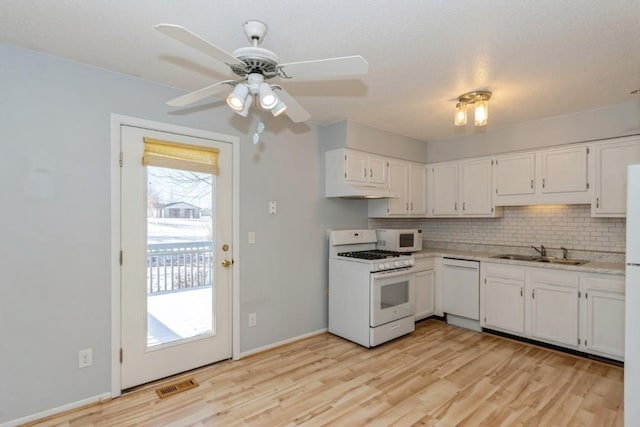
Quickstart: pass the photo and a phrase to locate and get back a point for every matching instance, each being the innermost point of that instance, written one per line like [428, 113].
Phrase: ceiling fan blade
[199, 94]
[194, 41]
[330, 67]
[296, 113]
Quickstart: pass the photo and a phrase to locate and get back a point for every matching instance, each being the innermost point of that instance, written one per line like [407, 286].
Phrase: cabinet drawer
[605, 282]
[503, 271]
[555, 277]
[423, 264]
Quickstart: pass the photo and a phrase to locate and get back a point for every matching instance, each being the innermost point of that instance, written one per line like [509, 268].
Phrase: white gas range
[370, 290]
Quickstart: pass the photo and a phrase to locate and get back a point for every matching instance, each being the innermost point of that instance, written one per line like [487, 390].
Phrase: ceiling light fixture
[480, 100]
[236, 99]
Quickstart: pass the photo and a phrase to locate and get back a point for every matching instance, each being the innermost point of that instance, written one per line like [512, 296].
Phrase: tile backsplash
[555, 226]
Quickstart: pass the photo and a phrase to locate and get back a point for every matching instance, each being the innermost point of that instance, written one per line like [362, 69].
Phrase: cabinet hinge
[485, 280]
[491, 162]
[588, 150]
[585, 343]
[586, 294]
[485, 319]
[120, 257]
[587, 185]
[121, 160]
[496, 190]
[578, 341]
[579, 294]
[121, 356]
[491, 210]
[496, 162]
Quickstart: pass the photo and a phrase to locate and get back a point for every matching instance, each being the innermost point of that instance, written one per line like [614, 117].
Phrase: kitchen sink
[545, 259]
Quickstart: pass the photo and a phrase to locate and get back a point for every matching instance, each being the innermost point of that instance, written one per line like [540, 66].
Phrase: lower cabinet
[424, 288]
[581, 311]
[603, 307]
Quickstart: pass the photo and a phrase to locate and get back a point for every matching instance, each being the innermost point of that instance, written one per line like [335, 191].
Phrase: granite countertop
[589, 267]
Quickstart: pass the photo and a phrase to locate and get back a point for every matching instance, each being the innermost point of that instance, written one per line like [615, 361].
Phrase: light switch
[272, 207]
[252, 237]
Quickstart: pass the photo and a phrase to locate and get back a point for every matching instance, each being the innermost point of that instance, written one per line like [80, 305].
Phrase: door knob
[226, 263]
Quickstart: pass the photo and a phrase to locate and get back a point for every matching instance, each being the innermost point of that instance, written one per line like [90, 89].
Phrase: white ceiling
[540, 58]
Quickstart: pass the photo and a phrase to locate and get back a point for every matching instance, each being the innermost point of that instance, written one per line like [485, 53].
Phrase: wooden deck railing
[179, 266]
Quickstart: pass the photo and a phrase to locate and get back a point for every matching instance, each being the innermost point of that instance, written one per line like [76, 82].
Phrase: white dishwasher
[461, 292]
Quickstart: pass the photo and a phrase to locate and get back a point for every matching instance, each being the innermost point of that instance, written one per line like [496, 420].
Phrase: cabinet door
[424, 294]
[476, 187]
[554, 313]
[564, 170]
[444, 187]
[515, 174]
[398, 182]
[503, 304]
[377, 170]
[605, 323]
[611, 161]
[417, 199]
[356, 166]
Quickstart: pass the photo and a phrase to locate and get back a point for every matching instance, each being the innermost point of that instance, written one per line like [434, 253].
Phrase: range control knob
[381, 266]
[388, 265]
[407, 262]
[397, 264]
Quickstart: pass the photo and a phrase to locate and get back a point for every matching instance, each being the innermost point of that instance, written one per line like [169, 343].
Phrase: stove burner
[370, 254]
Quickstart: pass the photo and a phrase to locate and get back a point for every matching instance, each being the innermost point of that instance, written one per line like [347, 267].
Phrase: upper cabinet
[407, 180]
[356, 174]
[556, 175]
[610, 161]
[515, 174]
[461, 188]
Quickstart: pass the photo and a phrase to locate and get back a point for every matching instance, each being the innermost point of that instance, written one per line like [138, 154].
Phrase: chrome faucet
[565, 253]
[542, 251]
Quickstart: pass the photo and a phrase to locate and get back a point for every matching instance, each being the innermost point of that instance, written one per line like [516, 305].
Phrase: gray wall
[55, 228]
[601, 123]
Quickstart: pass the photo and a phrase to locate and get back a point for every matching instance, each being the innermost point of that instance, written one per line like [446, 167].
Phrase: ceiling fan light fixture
[461, 114]
[480, 99]
[268, 99]
[280, 108]
[247, 104]
[237, 99]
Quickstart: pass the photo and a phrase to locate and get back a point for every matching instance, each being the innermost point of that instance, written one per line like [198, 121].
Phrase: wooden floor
[438, 376]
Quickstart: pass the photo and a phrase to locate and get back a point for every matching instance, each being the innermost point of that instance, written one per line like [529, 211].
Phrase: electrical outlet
[252, 319]
[252, 238]
[85, 358]
[273, 207]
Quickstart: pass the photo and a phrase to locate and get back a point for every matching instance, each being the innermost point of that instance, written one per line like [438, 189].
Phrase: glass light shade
[247, 104]
[268, 99]
[237, 98]
[482, 111]
[461, 114]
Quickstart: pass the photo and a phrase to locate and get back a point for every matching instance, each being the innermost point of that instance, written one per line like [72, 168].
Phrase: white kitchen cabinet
[555, 175]
[443, 189]
[603, 304]
[476, 188]
[408, 180]
[424, 288]
[564, 170]
[461, 188]
[515, 174]
[554, 306]
[610, 161]
[502, 301]
[366, 168]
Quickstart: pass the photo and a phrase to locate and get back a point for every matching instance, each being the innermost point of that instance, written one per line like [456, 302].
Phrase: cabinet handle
[370, 173]
[521, 292]
[411, 206]
[455, 206]
[533, 293]
[543, 180]
[406, 206]
[464, 204]
[597, 202]
[532, 184]
[365, 172]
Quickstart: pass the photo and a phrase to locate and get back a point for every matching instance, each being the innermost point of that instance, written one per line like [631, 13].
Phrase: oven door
[391, 296]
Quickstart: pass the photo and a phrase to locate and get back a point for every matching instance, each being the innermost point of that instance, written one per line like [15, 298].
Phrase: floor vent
[175, 388]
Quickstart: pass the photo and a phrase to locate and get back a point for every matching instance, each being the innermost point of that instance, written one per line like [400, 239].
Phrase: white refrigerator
[632, 301]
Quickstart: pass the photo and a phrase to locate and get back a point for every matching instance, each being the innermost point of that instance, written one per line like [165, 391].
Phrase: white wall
[55, 228]
[607, 122]
[348, 134]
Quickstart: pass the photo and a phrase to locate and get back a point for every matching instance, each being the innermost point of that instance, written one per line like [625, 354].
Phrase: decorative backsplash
[554, 226]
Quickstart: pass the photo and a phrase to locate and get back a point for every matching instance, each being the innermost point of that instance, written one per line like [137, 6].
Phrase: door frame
[115, 181]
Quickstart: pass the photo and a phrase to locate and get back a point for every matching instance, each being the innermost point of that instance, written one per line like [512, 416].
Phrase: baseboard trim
[280, 343]
[56, 411]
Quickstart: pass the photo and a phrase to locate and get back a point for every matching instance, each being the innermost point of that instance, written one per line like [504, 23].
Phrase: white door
[477, 191]
[417, 185]
[398, 183]
[554, 313]
[504, 304]
[444, 186]
[564, 170]
[176, 253]
[515, 174]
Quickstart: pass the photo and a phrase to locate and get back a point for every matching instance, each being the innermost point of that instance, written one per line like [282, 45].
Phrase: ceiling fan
[255, 65]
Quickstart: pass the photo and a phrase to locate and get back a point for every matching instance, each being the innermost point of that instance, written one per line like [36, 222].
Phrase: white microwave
[399, 240]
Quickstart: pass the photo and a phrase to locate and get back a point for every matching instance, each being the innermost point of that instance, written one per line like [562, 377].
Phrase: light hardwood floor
[438, 376]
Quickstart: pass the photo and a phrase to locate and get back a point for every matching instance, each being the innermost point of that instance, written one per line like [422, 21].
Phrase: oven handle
[392, 273]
